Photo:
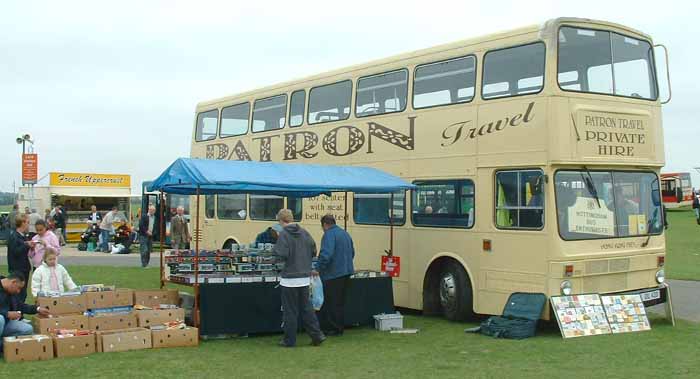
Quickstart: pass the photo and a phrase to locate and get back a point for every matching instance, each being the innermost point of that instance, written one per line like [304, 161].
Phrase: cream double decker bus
[535, 153]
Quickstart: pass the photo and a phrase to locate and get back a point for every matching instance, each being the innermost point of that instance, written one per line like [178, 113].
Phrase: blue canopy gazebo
[188, 176]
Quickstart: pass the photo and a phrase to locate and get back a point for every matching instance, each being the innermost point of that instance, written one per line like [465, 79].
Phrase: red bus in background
[676, 189]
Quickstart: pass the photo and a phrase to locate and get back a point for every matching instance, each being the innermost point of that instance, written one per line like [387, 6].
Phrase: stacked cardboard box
[154, 298]
[103, 321]
[73, 343]
[175, 337]
[123, 340]
[28, 348]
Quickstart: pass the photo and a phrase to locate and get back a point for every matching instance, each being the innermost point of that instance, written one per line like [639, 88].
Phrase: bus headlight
[565, 288]
[660, 276]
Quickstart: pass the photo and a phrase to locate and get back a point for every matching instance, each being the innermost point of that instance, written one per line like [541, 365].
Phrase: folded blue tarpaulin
[186, 175]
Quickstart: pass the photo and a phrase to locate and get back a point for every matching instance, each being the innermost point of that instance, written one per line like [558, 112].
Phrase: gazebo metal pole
[161, 231]
[195, 314]
[391, 225]
[345, 218]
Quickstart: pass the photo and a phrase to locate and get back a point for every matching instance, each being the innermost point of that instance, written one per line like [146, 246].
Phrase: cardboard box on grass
[112, 321]
[75, 346]
[149, 317]
[175, 337]
[28, 348]
[45, 325]
[123, 297]
[123, 340]
[64, 305]
[102, 299]
[153, 298]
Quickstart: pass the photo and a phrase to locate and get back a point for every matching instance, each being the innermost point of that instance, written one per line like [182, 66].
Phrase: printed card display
[626, 313]
[580, 315]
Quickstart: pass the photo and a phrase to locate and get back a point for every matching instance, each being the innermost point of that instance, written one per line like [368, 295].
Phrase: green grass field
[683, 246]
[441, 349]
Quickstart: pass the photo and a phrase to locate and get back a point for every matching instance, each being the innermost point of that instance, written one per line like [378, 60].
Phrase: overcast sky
[111, 86]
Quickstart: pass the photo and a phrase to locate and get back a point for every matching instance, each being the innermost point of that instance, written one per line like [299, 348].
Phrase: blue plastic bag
[316, 292]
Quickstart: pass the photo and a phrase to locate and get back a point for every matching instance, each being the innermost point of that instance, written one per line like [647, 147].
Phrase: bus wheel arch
[229, 241]
[448, 289]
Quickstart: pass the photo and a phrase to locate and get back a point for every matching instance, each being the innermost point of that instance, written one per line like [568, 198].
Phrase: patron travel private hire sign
[66, 179]
[604, 134]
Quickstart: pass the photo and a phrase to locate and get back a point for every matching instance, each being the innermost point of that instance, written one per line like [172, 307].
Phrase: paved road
[70, 256]
[686, 294]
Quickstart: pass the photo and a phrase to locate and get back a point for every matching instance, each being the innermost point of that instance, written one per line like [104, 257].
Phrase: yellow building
[77, 192]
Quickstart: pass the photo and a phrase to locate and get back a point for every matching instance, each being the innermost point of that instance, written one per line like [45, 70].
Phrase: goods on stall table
[580, 315]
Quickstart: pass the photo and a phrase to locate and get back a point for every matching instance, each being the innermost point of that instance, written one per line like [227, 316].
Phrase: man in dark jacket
[296, 248]
[12, 308]
[18, 250]
[146, 227]
[335, 267]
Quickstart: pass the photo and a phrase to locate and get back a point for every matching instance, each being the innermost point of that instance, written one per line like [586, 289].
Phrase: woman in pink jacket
[43, 241]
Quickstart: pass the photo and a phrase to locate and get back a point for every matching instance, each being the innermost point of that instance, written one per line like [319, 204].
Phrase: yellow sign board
[69, 179]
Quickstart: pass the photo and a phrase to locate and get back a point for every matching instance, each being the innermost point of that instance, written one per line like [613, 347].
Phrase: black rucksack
[519, 318]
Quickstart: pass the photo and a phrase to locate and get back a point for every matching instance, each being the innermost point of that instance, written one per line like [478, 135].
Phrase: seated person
[123, 234]
[270, 234]
[92, 232]
[12, 308]
[428, 210]
[51, 276]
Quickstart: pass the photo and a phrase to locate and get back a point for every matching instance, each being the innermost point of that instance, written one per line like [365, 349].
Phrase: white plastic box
[386, 322]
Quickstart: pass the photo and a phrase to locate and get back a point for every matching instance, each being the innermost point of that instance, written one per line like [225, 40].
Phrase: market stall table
[242, 308]
[221, 308]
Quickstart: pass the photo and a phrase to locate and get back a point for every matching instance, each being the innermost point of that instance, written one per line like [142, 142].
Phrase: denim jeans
[145, 248]
[13, 328]
[105, 240]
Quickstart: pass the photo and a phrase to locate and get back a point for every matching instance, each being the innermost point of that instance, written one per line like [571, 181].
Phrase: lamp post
[22, 140]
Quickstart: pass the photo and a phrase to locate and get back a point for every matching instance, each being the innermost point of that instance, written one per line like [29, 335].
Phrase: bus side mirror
[663, 70]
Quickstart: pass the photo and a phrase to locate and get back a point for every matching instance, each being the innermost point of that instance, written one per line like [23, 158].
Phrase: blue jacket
[337, 253]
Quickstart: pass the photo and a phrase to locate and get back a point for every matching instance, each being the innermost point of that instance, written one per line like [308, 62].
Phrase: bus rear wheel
[455, 292]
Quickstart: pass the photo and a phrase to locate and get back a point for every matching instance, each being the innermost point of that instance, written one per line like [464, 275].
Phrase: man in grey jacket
[296, 248]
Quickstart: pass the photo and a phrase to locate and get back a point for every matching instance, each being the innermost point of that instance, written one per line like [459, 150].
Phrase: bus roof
[543, 28]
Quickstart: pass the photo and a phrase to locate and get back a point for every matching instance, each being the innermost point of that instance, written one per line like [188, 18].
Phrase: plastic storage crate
[386, 322]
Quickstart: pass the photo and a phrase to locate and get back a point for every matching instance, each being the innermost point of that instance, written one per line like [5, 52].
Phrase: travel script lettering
[623, 136]
[462, 130]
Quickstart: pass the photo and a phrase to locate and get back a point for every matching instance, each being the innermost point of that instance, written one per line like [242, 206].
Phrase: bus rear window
[206, 125]
[604, 62]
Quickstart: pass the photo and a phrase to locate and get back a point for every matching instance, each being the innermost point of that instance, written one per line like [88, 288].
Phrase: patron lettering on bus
[322, 205]
[304, 144]
[616, 136]
[462, 131]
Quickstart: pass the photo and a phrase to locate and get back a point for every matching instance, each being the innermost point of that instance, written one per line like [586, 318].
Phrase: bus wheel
[455, 291]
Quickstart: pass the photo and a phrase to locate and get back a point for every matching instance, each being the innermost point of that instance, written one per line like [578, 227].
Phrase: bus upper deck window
[513, 71]
[446, 82]
[206, 125]
[383, 93]
[330, 102]
[234, 120]
[269, 113]
[296, 108]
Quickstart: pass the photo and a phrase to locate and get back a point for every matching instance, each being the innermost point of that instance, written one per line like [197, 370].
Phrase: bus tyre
[455, 291]
[228, 244]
